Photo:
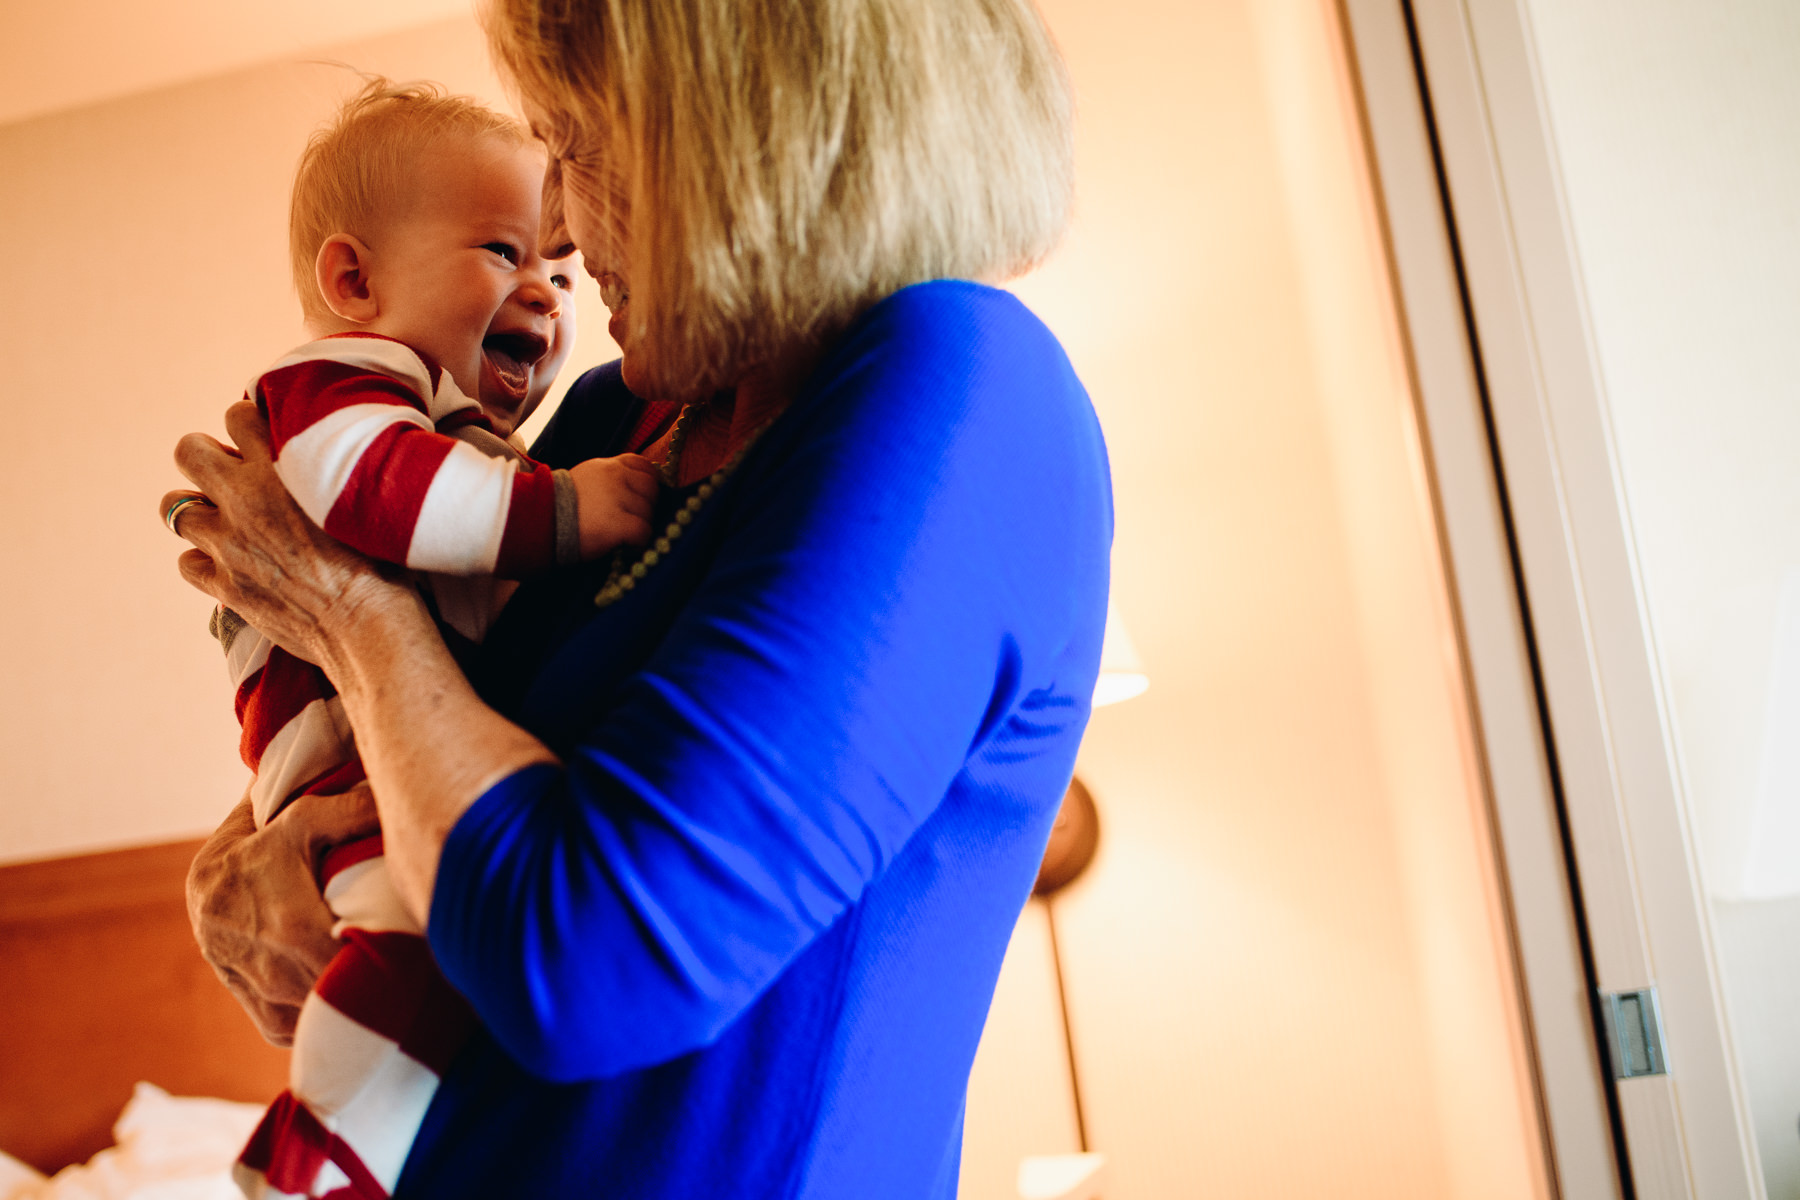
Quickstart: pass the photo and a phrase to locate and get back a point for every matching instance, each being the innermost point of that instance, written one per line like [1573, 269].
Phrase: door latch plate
[1634, 1033]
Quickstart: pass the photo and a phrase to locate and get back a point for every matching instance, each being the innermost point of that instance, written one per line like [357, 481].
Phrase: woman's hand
[255, 906]
[259, 555]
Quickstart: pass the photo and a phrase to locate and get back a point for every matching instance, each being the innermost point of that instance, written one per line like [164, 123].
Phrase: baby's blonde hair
[783, 164]
[354, 169]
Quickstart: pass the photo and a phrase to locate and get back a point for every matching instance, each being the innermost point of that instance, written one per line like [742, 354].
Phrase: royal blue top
[742, 940]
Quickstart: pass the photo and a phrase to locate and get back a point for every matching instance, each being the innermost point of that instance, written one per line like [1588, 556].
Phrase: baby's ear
[342, 271]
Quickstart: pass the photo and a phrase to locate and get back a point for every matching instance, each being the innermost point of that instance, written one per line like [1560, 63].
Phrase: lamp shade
[1121, 671]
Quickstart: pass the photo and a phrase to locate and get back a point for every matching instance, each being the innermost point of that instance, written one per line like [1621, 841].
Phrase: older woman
[724, 840]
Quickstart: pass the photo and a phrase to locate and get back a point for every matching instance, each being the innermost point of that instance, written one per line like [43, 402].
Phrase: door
[1623, 271]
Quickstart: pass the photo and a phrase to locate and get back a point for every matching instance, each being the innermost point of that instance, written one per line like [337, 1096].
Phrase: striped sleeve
[350, 421]
[528, 542]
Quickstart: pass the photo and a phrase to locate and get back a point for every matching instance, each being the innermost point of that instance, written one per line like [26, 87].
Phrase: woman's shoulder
[954, 316]
[948, 401]
[950, 347]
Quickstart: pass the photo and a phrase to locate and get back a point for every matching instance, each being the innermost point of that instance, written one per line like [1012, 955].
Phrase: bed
[106, 1009]
[101, 988]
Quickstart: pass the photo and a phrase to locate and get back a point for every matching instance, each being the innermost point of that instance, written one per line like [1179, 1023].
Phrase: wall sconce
[1121, 671]
[1073, 840]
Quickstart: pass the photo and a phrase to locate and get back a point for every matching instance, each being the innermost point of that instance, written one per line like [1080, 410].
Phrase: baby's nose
[540, 295]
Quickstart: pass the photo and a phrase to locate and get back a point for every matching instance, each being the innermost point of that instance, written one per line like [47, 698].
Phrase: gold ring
[169, 517]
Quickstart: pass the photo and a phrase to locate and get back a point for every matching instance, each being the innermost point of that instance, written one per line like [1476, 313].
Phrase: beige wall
[1285, 969]
[80, 52]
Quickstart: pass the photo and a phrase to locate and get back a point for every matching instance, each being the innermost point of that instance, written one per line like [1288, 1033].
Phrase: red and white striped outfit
[358, 423]
[382, 450]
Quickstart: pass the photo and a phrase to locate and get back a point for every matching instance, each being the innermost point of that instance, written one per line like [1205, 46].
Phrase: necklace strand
[621, 578]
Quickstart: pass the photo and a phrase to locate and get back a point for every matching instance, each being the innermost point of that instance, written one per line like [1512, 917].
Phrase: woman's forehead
[552, 124]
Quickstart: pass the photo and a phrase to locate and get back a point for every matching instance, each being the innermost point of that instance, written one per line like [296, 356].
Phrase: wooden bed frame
[101, 986]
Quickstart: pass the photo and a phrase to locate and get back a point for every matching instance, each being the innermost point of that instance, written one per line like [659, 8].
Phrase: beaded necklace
[622, 578]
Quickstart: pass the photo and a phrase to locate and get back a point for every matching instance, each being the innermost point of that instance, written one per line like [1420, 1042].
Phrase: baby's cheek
[551, 365]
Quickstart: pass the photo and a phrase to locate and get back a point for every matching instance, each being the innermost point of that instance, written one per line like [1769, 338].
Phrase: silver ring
[169, 518]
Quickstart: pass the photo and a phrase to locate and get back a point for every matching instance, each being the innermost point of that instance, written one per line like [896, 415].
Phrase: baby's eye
[509, 253]
[562, 281]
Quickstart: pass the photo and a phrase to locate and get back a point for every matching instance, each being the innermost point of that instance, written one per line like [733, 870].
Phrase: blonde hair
[780, 165]
[353, 170]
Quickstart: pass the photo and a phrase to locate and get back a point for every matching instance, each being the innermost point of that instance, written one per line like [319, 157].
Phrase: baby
[440, 325]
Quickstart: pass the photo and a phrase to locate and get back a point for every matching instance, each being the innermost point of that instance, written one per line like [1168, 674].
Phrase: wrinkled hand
[255, 906]
[258, 554]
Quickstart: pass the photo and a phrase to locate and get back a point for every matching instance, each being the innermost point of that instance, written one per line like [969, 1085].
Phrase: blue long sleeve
[892, 610]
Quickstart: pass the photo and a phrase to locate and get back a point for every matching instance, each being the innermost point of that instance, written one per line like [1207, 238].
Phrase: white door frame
[1515, 413]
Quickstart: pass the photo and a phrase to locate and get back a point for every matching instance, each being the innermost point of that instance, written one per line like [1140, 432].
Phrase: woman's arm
[429, 745]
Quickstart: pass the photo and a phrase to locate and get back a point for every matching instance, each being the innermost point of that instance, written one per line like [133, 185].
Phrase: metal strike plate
[1634, 1033]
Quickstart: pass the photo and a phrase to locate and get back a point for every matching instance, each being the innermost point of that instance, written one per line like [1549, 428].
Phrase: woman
[725, 844]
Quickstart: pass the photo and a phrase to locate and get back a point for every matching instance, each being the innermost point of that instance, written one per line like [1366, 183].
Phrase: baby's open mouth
[511, 356]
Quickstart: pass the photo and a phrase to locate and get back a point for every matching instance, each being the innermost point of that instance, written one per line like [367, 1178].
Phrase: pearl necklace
[621, 579]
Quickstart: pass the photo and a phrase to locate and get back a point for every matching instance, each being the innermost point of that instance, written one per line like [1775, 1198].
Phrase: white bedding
[169, 1148]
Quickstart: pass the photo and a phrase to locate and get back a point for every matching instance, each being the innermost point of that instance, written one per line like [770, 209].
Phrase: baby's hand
[613, 499]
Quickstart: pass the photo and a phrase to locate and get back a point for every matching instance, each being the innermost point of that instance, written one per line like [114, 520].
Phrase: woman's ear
[342, 271]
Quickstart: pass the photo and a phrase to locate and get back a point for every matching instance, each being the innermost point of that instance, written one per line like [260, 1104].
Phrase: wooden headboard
[101, 986]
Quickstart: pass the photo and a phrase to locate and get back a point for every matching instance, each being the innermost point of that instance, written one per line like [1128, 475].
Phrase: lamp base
[1073, 841]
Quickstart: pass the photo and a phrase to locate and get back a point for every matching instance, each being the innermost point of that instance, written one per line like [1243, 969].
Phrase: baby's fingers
[639, 504]
[635, 530]
[642, 477]
[638, 467]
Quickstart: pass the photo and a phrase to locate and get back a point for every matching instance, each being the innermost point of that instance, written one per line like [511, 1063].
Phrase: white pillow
[16, 1179]
[169, 1148]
